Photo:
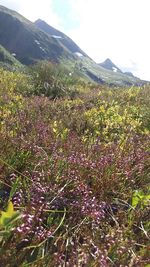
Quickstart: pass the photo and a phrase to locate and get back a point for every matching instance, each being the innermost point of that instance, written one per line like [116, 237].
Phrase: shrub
[53, 80]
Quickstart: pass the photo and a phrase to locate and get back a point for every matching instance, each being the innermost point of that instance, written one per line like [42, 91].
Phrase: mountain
[109, 65]
[32, 42]
[20, 36]
[61, 37]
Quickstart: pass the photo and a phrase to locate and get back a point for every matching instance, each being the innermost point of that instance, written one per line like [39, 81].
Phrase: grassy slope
[85, 64]
[8, 61]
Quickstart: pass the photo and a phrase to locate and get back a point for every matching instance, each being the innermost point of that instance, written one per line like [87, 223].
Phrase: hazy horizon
[115, 29]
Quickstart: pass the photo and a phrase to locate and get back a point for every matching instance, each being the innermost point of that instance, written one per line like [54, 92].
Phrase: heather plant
[74, 184]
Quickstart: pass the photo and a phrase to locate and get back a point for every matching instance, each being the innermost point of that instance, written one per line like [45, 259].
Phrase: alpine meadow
[74, 154]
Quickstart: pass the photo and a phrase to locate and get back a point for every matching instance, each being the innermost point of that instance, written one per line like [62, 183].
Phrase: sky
[115, 29]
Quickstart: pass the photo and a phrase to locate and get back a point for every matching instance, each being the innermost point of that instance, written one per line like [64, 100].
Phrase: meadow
[75, 171]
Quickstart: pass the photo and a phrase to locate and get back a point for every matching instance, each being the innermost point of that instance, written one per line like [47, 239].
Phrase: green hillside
[8, 61]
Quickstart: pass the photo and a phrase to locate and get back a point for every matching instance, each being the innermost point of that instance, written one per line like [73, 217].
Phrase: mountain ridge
[56, 34]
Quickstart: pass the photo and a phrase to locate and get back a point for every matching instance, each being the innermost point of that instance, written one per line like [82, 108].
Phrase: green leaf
[9, 215]
[136, 198]
[140, 197]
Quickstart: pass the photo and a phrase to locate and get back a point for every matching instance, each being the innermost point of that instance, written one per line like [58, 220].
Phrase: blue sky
[115, 29]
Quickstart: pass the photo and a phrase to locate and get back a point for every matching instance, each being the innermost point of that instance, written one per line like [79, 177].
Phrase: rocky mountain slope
[62, 38]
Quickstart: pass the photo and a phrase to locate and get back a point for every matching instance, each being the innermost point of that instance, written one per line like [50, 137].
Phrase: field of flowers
[74, 173]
